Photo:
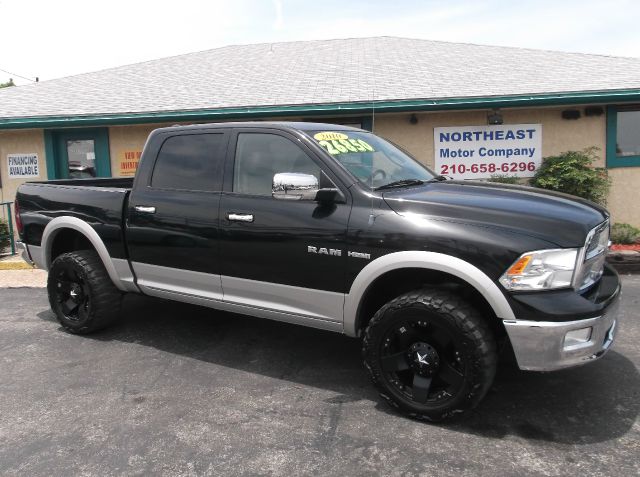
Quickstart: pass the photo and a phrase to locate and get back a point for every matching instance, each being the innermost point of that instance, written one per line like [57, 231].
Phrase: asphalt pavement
[181, 390]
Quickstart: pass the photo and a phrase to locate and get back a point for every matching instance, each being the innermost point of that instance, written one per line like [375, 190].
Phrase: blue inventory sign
[478, 152]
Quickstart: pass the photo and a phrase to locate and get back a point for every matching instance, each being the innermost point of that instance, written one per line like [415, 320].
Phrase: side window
[623, 136]
[259, 156]
[628, 133]
[190, 162]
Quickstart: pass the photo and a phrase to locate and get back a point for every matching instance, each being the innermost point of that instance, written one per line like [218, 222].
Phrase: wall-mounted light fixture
[413, 119]
[593, 111]
[571, 114]
[494, 117]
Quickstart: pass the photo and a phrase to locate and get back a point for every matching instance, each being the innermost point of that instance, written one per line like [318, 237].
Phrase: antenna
[373, 111]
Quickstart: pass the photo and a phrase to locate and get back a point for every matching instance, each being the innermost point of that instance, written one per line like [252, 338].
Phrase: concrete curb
[624, 261]
[15, 266]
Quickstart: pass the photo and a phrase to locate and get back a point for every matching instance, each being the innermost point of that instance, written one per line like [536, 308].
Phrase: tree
[572, 172]
[7, 84]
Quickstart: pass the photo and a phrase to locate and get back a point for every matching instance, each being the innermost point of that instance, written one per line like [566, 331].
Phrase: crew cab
[335, 228]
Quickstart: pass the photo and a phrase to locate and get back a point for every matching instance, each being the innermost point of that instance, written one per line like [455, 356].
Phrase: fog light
[577, 337]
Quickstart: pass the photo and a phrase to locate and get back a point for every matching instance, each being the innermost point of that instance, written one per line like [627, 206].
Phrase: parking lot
[181, 390]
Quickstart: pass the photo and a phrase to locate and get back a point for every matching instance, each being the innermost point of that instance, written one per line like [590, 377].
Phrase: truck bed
[101, 203]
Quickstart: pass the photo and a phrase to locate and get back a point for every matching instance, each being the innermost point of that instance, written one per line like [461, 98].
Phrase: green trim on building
[104, 151]
[613, 160]
[50, 156]
[367, 123]
[56, 153]
[590, 97]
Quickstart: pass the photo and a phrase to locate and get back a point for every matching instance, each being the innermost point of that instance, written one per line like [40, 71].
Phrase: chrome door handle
[143, 209]
[240, 217]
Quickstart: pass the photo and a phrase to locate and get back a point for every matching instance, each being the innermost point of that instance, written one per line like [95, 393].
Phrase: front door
[81, 154]
[267, 244]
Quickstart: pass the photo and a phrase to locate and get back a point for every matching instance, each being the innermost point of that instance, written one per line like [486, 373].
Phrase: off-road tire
[476, 357]
[103, 298]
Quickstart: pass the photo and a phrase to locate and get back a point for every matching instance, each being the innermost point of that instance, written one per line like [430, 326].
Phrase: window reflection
[81, 156]
[628, 132]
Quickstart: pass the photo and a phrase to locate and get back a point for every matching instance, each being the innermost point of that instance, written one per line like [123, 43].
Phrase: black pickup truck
[335, 228]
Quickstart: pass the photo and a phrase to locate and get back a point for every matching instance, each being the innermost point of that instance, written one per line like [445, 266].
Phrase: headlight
[541, 270]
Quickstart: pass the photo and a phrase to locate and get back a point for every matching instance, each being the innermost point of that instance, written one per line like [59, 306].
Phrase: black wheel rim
[422, 360]
[72, 295]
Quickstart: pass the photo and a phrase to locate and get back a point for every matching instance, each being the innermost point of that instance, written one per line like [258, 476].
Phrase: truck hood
[552, 216]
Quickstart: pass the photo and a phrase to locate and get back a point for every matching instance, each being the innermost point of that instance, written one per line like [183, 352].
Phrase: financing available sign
[478, 152]
[23, 165]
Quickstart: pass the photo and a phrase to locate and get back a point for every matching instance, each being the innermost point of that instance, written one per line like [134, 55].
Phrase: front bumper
[544, 345]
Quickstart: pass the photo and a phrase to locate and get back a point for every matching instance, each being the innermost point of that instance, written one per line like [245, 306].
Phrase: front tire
[430, 354]
[81, 293]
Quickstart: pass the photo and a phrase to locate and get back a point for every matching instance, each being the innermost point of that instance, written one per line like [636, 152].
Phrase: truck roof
[299, 125]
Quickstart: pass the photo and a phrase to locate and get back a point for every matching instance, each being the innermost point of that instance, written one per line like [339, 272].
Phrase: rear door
[283, 255]
[173, 223]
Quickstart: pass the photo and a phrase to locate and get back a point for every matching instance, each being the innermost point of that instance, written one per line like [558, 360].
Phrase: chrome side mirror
[294, 186]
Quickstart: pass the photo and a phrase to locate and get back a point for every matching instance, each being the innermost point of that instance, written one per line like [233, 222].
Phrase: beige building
[440, 101]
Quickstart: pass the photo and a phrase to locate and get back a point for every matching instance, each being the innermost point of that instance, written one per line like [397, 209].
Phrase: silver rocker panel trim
[240, 295]
[270, 314]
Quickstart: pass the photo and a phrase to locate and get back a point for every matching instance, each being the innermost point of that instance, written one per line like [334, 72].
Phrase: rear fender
[118, 269]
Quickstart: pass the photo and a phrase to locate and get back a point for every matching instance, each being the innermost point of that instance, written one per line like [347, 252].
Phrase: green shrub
[4, 235]
[624, 234]
[504, 179]
[572, 172]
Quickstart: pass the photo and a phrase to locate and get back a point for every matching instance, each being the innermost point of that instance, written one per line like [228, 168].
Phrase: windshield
[375, 162]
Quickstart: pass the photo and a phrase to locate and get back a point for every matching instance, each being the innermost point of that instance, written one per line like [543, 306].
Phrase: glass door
[81, 154]
[81, 158]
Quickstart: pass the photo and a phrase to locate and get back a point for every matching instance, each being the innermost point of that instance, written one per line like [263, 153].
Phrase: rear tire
[430, 354]
[81, 293]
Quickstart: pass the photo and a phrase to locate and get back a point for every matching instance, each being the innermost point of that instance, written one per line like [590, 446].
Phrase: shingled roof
[327, 72]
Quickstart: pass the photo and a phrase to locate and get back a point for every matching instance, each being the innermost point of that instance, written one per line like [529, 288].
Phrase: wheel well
[69, 240]
[397, 282]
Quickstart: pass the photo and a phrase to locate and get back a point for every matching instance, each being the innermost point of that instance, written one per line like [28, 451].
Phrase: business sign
[128, 163]
[477, 152]
[23, 165]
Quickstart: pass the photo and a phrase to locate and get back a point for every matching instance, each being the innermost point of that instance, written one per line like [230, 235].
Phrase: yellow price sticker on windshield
[329, 135]
[338, 143]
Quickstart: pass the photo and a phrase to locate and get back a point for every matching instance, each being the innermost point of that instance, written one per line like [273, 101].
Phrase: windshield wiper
[400, 183]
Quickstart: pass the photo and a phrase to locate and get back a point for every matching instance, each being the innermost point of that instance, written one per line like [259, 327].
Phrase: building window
[623, 136]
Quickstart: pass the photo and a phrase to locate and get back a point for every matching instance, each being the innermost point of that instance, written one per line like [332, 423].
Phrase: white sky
[51, 39]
